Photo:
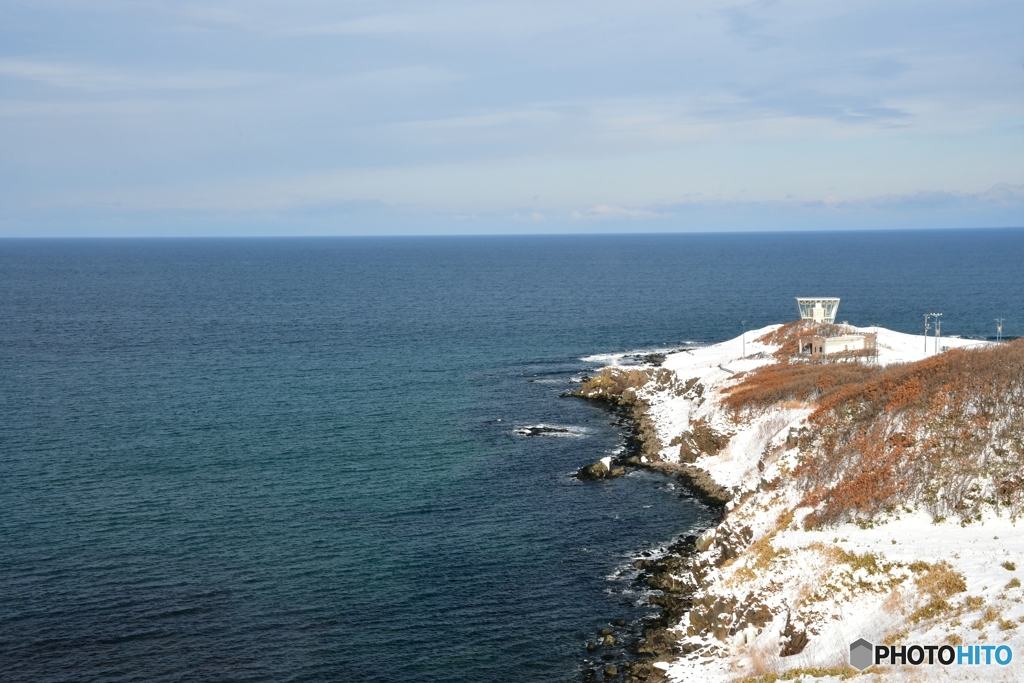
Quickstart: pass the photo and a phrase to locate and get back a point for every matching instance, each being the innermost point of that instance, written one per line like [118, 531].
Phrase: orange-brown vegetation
[772, 384]
[787, 338]
[946, 432]
[937, 584]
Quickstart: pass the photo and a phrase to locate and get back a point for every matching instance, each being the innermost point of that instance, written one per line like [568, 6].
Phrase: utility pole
[999, 329]
[744, 338]
[926, 328]
[938, 331]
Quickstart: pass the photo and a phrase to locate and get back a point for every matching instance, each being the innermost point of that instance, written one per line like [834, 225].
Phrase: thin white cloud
[101, 79]
[524, 107]
[465, 20]
[604, 212]
[380, 24]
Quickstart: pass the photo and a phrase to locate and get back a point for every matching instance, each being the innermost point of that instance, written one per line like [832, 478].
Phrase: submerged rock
[540, 430]
[599, 470]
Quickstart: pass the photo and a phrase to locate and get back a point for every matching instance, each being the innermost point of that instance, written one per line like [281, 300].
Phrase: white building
[821, 345]
[825, 337]
[819, 310]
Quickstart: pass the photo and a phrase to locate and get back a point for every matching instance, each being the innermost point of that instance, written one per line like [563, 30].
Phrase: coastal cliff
[863, 497]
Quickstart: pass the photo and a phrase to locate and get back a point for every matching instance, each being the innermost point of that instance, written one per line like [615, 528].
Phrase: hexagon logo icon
[861, 652]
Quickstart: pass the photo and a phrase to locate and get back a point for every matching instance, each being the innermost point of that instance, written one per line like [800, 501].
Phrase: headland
[870, 497]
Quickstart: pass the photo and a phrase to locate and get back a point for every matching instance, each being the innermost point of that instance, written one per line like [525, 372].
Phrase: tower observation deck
[819, 310]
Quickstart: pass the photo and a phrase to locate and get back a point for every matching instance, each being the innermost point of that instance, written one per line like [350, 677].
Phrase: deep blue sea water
[296, 460]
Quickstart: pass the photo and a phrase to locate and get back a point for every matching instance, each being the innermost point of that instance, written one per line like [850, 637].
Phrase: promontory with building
[871, 484]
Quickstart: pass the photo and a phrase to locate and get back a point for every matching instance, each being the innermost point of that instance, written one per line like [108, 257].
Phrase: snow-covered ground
[844, 582]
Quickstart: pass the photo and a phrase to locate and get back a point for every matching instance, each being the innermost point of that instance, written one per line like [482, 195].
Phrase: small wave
[638, 356]
[549, 430]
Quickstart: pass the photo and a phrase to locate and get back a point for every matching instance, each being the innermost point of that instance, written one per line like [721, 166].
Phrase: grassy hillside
[946, 432]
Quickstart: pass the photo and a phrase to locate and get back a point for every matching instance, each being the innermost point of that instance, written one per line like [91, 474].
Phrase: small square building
[824, 337]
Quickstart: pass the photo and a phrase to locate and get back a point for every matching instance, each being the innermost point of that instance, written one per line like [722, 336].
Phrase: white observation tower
[819, 310]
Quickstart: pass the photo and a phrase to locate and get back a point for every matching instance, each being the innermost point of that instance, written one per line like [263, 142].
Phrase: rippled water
[265, 460]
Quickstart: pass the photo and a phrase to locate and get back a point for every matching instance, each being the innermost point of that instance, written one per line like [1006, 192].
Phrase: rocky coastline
[618, 653]
[618, 389]
[861, 499]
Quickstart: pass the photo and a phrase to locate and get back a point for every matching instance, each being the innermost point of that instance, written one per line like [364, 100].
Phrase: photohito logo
[863, 654]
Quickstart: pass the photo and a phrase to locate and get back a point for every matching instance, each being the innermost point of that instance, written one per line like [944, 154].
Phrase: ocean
[304, 459]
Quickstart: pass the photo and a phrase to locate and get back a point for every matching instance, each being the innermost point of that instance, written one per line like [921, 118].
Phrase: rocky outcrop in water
[602, 469]
[540, 430]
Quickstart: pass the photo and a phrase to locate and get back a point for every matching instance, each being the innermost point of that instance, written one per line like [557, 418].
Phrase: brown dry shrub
[991, 615]
[787, 338]
[973, 602]
[937, 584]
[781, 382]
[947, 432]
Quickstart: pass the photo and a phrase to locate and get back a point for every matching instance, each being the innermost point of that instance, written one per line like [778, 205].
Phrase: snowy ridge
[905, 579]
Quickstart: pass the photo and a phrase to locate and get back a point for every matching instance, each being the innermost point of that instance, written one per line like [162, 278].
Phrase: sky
[308, 117]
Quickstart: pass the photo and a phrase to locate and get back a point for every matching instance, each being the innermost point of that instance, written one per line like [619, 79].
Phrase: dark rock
[539, 430]
[611, 671]
[663, 580]
[731, 542]
[753, 613]
[794, 640]
[620, 622]
[714, 615]
[706, 488]
[640, 672]
[617, 472]
[700, 439]
[606, 632]
[656, 642]
[597, 470]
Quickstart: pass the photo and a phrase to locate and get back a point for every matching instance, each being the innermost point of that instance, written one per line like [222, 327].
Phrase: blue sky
[144, 117]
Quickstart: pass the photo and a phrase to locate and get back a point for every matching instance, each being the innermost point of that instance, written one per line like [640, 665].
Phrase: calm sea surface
[296, 460]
